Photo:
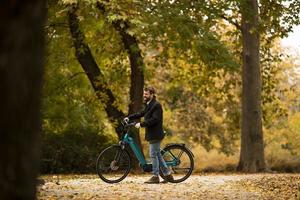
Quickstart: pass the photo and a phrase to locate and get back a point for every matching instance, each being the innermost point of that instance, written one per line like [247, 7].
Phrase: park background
[70, 71]
[191, 53]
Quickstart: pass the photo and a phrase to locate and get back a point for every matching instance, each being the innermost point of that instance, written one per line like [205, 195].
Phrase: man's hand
[138, 125]
[126, 119]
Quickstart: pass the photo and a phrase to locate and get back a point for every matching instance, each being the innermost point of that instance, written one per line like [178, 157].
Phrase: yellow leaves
[281, 186]
[66, 2]
[211, 186]
[294, 122]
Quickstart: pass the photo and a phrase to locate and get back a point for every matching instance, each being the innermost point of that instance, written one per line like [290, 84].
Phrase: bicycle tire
[168, 153]
[109, 166]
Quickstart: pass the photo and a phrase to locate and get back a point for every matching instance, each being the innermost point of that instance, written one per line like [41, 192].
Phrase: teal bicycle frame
[136, 150]
[114, 168]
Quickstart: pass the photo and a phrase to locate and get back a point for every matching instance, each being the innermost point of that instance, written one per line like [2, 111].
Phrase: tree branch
[231, 21]
[89, 65]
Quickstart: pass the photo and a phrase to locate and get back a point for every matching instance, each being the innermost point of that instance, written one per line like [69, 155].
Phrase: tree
[133, 50]
[252, 147]
[136, 64]
[276, 20]
[97, 79]
[88, 63]
[21, 70]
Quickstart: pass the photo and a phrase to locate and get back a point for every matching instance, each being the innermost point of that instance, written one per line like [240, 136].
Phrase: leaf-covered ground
[212, 186]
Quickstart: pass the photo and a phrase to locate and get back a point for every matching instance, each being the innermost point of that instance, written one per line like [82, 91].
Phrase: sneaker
[153, 180]
[168, 178]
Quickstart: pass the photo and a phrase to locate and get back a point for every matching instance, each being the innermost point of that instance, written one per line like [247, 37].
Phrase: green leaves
[215, 54]
[192, 54]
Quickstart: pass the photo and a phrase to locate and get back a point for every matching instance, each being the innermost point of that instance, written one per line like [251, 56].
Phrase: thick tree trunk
[252, 147]
[96, 78]
[89, 65]
[136, 64]
[137, 73]
[21, 70]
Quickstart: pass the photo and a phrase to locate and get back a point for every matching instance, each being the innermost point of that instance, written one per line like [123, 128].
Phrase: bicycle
[114, 163]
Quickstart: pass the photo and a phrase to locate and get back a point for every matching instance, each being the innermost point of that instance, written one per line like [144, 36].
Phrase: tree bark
[89, 65]
[252, 147]
[137, 73]
[21, 71]
[96, 78]
[136, 64]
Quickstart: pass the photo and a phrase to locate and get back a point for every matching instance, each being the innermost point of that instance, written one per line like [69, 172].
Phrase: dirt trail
[233, 186]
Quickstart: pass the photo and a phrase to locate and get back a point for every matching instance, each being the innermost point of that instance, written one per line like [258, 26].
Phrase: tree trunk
[136, 64]
[21, 71]
[137, 72]
[252, 147]
[89, 65]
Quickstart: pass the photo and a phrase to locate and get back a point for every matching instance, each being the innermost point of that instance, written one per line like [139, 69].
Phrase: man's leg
[154, 152]
[163, 165]
[165, 169]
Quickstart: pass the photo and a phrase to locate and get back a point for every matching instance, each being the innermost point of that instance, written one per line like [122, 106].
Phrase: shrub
[73, 151]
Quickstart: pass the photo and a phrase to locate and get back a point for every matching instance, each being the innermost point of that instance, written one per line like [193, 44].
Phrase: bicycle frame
[137, 152]
[114, 168]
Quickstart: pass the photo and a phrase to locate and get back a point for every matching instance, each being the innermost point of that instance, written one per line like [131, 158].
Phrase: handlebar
[127, 125]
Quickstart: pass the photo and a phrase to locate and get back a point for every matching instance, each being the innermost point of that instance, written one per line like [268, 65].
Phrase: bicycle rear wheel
[113, 164]
[180, 162]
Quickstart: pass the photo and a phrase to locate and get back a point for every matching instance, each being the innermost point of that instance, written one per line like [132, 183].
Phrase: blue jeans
[157, 160]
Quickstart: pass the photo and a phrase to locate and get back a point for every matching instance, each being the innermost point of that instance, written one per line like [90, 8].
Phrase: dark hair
[150, 89]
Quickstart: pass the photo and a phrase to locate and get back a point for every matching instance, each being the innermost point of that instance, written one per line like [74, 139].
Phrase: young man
[153, 122]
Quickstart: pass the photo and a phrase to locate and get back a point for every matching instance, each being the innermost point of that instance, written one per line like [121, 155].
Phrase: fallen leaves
[235, 186]
[283, 186]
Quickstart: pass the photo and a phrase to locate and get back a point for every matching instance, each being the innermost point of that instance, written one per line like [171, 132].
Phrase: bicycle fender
[181, 145]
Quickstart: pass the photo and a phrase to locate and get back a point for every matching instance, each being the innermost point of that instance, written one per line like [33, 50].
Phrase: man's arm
[156, 117]
[137, 115]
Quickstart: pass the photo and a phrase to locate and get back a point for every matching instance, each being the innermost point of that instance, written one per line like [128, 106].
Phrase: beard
[146, 99]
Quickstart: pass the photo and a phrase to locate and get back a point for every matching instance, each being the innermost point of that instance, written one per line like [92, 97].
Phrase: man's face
[147, 96]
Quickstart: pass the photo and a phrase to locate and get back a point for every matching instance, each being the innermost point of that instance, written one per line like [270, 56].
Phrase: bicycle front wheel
[113, 164]
[180, 162]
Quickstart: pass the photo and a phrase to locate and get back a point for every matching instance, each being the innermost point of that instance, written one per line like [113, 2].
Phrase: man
[153, 122]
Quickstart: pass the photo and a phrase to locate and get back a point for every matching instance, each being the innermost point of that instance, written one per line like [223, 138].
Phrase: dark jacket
[153, 120]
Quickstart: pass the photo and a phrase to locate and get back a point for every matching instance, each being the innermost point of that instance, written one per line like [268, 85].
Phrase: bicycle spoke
[113, 164]
[105, 169]
[180, 162]
[170, 152]
[180, 154]
[181, 169]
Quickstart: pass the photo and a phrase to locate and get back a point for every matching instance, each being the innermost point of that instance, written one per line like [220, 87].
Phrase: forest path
[198, 186]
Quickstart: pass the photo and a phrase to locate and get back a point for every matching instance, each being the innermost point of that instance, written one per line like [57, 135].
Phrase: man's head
[149, 94]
